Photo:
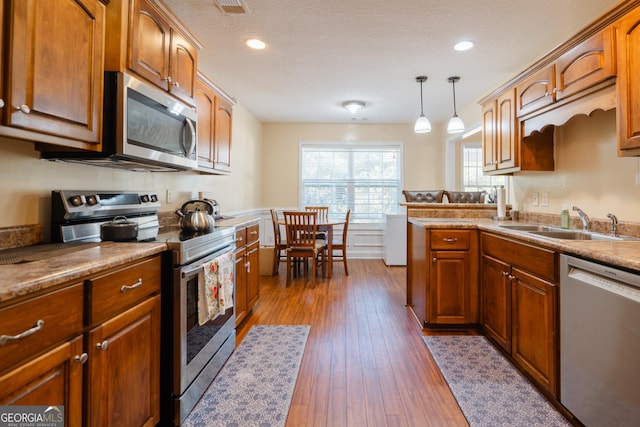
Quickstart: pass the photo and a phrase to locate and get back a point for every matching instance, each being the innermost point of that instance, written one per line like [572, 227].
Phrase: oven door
[194, 345]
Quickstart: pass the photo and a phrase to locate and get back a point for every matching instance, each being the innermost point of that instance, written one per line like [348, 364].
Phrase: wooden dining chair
[323, 216]
[339, 244]
[280, 246]
[302, 243]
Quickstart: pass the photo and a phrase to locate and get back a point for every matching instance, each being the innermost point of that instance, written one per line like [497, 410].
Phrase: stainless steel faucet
[614, 224]
[583, 217]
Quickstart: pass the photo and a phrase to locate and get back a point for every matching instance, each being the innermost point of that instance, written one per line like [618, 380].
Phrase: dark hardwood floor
[365, 363]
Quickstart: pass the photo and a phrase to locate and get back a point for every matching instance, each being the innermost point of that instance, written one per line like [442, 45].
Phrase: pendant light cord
[453, 83]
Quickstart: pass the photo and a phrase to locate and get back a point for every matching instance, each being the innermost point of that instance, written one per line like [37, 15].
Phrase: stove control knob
[144, 198]
[154, 198]
[93, 199]
[77, 200]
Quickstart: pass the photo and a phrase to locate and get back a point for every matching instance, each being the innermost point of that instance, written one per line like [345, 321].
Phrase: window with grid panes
[363, 177]
[472, 177]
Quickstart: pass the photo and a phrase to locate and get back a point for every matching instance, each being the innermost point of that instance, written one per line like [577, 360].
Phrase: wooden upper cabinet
[215, 115]
[536, 91]
[148, 39]
[55, 68]
[500, 143]
[574, 72]
[586, 65]
[628, 84]
[149, 44]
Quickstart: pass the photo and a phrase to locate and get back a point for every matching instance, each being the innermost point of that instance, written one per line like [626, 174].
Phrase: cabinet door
[241, 285]
[182, 68]
[53, 379]
[587, 64]
[507, 143]
[223, 121]
[496, 301]
[205, 108]
[536, 91]
[535, 326]
[253, 272]
[149, 44]
[449, 287]
[55, 60]
[489, 136]
[628, 84]
[124, 368]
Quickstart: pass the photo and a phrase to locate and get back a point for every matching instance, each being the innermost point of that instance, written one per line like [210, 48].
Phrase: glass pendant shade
[455, 125]
[423, 125]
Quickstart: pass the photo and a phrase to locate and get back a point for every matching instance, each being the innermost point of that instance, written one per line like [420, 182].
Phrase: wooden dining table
[325, 226]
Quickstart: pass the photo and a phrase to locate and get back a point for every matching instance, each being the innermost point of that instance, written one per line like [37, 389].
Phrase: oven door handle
[192, 270]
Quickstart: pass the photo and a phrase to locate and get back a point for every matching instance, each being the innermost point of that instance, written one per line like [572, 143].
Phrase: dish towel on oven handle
[215, 287]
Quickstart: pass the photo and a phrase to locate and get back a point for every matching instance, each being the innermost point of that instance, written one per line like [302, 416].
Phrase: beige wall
[588, 172]
[27, 181]
[423, 155]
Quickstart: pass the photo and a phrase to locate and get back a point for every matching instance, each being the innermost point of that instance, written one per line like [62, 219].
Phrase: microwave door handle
[190, 135]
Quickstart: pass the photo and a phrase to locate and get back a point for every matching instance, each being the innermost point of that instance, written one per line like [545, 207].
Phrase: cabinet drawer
[61, 316]
[450, 239]
[241, 237]
[113, 292]
[253, 233]
[538, 261]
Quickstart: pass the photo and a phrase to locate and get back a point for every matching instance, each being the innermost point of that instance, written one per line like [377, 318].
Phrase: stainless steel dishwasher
[599, 343]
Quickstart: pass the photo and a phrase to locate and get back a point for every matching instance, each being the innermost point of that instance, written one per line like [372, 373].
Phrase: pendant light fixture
[455, 123]
[422, 124]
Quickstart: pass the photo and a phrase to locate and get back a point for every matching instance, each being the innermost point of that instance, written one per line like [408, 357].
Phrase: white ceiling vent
[232, 6]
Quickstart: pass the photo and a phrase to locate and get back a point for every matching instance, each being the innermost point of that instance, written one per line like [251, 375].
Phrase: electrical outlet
[534, 199]
[169, 196]
[544, 199]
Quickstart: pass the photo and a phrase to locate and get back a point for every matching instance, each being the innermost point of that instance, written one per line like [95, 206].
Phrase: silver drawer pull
[103, 345]
[253, 233]
[239, 239]
[126, 288]
[6, 338]
[24, 109]
[81, 358]
[449, 240]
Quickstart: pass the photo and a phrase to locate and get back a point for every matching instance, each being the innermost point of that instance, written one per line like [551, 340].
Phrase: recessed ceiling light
[463, 45]
[353, 106]
[256, 44]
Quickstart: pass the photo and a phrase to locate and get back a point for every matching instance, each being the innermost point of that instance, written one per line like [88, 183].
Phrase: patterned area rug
[255, 386]
[490, 391]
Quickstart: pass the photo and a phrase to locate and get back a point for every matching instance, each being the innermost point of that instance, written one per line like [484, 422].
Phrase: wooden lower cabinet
[247, 269]
[519, 288]
[52, 379]
[442, 288]
[123, 386]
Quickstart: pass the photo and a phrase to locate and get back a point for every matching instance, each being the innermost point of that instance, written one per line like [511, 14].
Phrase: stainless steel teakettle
[193, 218]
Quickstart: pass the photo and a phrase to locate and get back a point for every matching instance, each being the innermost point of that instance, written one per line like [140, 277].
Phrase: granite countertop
[21, 279]
[624, 254]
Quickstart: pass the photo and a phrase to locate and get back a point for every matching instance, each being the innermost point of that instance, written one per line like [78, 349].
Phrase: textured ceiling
[321, 53]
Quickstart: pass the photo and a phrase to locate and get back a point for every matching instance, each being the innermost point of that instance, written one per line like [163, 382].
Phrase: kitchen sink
[562, 233]
[528, 227]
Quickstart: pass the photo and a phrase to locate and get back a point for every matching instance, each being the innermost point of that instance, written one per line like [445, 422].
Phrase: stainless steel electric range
[192, 353]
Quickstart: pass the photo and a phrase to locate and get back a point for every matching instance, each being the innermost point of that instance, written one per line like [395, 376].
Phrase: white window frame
[356, 146]
[489, 188]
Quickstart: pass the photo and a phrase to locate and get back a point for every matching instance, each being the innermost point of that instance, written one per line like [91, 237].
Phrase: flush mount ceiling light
[353, 106]
[464, 45]
[455, 123]
[423, 125]
[256, 44]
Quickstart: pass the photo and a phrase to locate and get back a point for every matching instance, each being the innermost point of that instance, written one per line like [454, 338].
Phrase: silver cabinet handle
[24, 108]
[126, 288]
[434, 259]
[253, 233]
[103, 345]
[239, 239]
[449, 239]
[505, 273]
[6, 338]
[81, 358]
[1, 103]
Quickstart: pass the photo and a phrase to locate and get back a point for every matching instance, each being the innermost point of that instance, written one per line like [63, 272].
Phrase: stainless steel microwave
[144, 128]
